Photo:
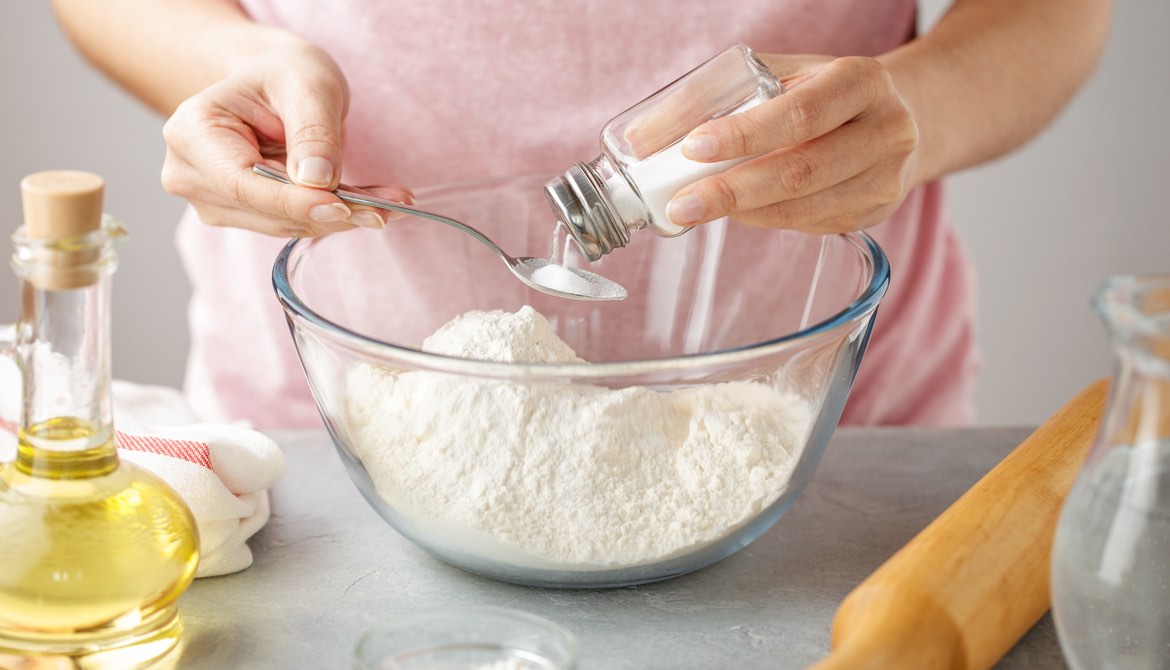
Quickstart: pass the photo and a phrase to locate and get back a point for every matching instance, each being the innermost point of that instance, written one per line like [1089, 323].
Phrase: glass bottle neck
[1137, 313]
[63, 348]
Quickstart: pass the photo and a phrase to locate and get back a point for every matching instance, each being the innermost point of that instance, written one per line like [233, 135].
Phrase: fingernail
[367, 220]
[701, 147]
[329, 213]
[315, 171]
[686, 209]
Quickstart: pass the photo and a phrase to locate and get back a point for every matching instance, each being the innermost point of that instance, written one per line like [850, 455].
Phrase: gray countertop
[327, 567]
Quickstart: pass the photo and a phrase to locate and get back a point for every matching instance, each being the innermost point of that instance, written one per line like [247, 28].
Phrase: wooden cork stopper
[59, 205]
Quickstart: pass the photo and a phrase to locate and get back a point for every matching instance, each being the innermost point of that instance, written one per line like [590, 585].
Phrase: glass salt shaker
[641, 166]
[1111, 553]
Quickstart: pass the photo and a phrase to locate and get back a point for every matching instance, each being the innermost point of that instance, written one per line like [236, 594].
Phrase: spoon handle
[382, 203]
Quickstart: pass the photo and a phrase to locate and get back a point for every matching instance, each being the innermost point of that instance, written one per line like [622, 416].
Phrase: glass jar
[1111, 554]
[641, 166]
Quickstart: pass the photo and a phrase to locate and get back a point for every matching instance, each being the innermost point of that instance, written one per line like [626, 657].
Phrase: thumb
[313, 133]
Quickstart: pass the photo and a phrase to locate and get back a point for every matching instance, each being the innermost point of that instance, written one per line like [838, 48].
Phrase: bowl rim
[296, 310]
[547, 631]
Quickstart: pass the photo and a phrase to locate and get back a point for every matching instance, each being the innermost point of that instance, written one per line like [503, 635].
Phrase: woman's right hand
[284, 107]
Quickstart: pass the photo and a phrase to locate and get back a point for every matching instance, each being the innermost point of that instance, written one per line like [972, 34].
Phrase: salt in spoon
[558, 280]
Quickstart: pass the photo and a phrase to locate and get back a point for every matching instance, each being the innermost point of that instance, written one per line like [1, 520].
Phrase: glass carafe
[1111, 556]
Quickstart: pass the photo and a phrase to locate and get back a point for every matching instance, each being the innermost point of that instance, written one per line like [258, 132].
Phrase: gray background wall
[1045, 226]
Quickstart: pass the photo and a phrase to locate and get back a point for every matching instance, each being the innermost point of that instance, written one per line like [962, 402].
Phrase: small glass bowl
[467, 638]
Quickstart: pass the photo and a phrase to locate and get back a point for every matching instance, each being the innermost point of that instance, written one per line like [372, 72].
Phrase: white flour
[568, 475]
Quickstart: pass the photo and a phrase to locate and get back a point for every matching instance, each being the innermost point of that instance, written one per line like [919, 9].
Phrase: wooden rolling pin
[966, 588]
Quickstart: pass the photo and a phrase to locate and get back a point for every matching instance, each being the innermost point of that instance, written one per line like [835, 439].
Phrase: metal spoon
[559, 280]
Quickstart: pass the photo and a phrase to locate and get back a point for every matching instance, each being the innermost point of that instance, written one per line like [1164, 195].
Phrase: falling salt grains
[556, 240]
[568, 244]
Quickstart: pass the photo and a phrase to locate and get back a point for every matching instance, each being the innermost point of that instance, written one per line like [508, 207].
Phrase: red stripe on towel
[195, 452]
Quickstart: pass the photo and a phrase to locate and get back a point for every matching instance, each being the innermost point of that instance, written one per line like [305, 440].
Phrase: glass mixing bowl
[783, 314]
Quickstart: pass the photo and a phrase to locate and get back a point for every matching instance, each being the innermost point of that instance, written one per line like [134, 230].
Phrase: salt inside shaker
[641, 166]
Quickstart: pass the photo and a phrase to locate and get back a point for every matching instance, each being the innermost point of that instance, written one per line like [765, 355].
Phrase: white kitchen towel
[223, 472]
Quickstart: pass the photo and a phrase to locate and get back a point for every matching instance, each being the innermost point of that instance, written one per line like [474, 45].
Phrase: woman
[424, 93]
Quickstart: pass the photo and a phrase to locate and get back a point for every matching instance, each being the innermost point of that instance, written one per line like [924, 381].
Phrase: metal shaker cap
[579, 201]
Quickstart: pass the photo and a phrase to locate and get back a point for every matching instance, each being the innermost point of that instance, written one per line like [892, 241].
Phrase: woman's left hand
[835, 151]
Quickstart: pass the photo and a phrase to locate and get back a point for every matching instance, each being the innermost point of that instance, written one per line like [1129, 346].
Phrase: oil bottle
[94, 552]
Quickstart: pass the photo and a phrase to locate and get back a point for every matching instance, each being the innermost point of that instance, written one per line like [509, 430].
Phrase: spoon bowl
[539, 273]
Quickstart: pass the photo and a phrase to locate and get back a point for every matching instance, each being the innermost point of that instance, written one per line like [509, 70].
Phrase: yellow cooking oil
[94, 553]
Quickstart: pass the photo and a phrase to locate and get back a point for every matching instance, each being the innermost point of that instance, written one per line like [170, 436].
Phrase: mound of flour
[569, 475]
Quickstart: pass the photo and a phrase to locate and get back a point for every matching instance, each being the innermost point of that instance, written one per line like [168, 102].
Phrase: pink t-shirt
[439, 88]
